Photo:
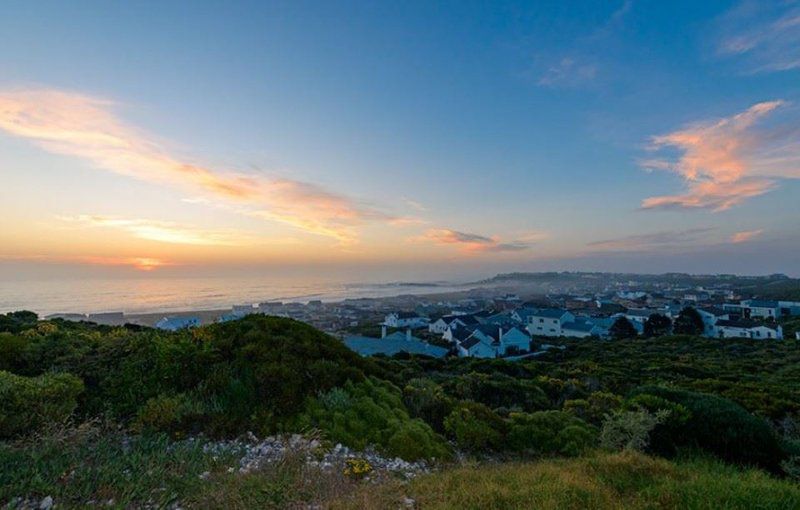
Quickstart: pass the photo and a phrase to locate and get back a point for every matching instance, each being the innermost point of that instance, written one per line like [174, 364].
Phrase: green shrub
[595, 408]
[475, 427]
[719, 426]
[498, 390]
[177, 414]
[549, 433]
[372, 413]
[29, 403]
[426, 400]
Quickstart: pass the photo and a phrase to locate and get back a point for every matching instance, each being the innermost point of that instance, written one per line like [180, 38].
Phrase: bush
[721, 427]
[549, 433]
[630, 430]
[426, 400]
[475, 427]
[595, 408]
[29, 403]
[372, 412]
[177, 414]
[498, 390]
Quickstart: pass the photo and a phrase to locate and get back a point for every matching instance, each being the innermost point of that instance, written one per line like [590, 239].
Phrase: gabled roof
[550, 313]
[640, 312]
[461, 333]
[470, 342]
[584, 327]
[713, 310]
[761, 303]
[407, 315]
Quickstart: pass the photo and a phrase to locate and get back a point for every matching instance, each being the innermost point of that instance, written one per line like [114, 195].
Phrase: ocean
[151, 295]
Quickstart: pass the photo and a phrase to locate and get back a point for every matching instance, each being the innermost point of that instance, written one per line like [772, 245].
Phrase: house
[710, 316]
[392, 344]
[440, 325]
[457, 334]
[548, 321]
[747, 328]
[475, 347]
[638, 314]
[752, 308]
[405, 320]
[176, 323]
[523, 314]
[513, 340]
[789, 308]
[583, 328]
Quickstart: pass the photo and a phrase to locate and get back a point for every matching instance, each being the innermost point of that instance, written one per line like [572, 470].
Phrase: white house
[513, 340]
[710, 316]
[548, 321]
[639, 315]
[753, 308]
[745, 328]
[405, 320]
[440, 325]
[476, 346]
[176, 323]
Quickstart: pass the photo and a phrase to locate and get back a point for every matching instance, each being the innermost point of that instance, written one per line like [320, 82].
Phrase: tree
[622, 328]
[688, 322]
[657, 325]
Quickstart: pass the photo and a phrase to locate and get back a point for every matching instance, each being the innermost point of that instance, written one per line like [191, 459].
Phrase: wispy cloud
[162, 231]
[568, 72]
[86, 127]
[747, 235]
[657, 240]
[764, 36]
[581, 64]
[473, 243]
[724, 162]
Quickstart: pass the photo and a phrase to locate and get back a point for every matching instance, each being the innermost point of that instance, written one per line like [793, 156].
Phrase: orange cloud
[727, 161]
[85, 127]
[140, 263]
[747, 235]
[475, 242]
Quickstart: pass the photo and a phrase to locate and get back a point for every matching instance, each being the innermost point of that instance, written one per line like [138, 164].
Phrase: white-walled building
[405, 320]
[548, 321]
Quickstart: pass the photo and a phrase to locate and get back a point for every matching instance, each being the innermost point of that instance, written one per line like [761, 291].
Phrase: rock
[409, 502]
[205, 475]
[46, 503]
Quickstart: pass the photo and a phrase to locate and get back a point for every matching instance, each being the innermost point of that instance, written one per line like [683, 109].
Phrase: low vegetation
[671, 397]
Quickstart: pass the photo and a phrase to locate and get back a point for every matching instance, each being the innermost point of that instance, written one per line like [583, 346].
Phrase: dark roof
[407, 315]
[470, 342]
[714, 310]
[461, 333]
[552, 313]
[742, 323]
[578, 326]
[761, 303]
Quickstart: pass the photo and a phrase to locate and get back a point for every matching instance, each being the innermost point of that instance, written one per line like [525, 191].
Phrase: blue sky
[413, 135]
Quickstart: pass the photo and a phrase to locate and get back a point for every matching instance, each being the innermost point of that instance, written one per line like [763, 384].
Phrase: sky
[398, 139]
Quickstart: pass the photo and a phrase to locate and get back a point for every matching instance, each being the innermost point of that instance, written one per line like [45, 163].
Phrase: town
[520, 315]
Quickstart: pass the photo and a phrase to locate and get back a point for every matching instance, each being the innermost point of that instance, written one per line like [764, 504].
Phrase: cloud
[86, 127]
[162, 231]
[140, 263]
[747, 235]
[568, 73]
[474, 242]
[658, 240]
[764, 37]
[725, 162]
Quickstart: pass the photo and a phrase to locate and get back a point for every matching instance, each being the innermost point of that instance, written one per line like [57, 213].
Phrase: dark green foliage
[595, 408]
[475, 427]
[622, 328]
[427, 400]
[30, 403]
[688, 322]
[716, 425]
[14, 322]
[372, 412]
[549, 433]
[498, 390]
[657, 325]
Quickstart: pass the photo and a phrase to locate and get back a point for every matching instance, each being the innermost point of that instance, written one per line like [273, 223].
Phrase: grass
[90, 463]
[603, 481]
